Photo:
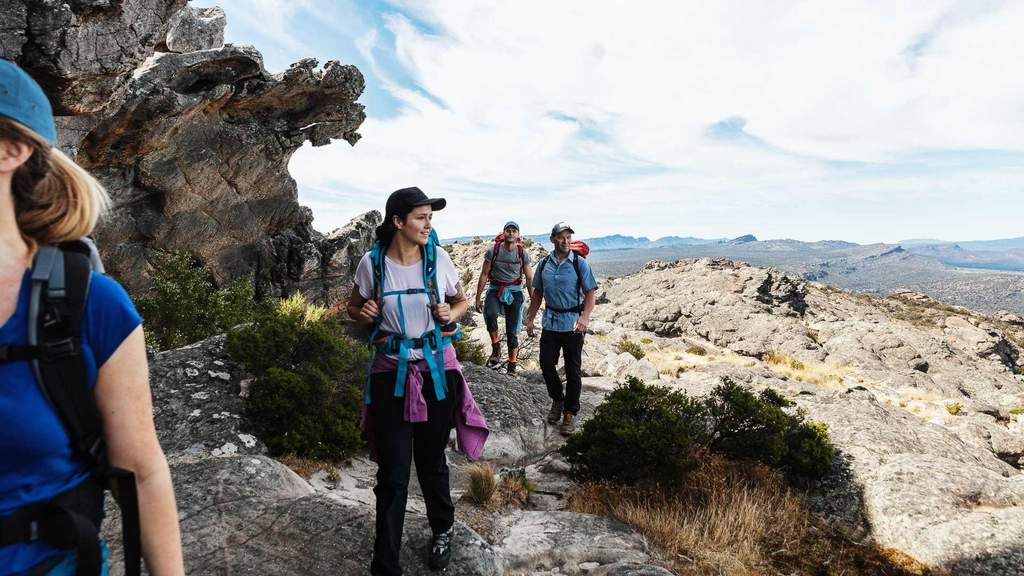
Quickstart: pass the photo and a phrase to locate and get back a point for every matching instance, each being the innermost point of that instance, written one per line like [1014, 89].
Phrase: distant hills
[984, 275]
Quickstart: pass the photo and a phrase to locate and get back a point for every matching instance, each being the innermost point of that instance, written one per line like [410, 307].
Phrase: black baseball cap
[561, 227]
[404, 200]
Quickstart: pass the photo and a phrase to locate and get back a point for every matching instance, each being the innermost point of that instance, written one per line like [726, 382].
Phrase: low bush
[696, 350]
[632, 348]
[469, 350]
[639, 434]
[306, 397]
[644, 434]
[185, 306]
[953, 408]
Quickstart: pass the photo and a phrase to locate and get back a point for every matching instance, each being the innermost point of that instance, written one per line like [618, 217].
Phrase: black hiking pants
[398, 443]
[570, 344]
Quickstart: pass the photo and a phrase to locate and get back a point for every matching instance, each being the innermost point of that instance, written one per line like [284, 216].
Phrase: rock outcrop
[191, 137]
[923, 400]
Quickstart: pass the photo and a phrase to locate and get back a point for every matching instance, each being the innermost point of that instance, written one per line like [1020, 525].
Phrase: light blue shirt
[558, 282]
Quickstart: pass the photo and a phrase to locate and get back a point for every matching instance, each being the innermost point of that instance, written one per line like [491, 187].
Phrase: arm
[531, 312]
[588, 307]
[485, 272]
[359, 308]
[529, 281]
[125, 404]
[452, 309]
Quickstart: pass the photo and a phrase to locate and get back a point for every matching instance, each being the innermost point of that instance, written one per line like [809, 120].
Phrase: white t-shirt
[418, 316]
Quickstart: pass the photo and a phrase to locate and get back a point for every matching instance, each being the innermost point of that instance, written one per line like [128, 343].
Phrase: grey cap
[561, 227]
[510, 224]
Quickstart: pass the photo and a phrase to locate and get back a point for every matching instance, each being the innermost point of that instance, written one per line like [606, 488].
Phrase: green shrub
[810, 453]
[309, 377]
[696, 350]
[646, 341]
[634, 349]
[469, 350]
[639, 434]
[953, 408]
[745, 426]
[651, 434]
[184, 306]
[1017, 411]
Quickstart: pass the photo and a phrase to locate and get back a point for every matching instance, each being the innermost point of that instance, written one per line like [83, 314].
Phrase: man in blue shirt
[566, 284]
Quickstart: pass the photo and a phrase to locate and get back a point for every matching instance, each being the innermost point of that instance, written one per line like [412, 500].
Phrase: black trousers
[398, 443]
[571, 345]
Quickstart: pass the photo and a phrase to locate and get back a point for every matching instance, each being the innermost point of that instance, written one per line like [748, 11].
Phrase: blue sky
[811, 120]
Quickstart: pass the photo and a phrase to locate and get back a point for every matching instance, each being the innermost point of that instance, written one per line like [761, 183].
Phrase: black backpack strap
[579, 280]
[540, 271]
[60, 288]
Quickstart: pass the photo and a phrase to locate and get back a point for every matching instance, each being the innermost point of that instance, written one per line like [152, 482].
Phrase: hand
[581, 326]
[531, 329]
[443, 313]
[369, 311]
[478, 307]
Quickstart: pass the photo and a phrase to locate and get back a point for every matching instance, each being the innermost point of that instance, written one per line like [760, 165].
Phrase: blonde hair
[55, 199]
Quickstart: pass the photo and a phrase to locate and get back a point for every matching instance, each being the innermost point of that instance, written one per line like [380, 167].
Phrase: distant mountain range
[984, 275]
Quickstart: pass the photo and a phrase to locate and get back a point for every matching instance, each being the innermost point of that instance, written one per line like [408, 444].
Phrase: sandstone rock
[194, 29]
[193, 147]
[83, 53]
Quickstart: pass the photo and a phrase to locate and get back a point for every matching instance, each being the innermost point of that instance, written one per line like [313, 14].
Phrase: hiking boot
[568, 425]
[495, 357]
[511, 369]
[555, 414]
[441, 550]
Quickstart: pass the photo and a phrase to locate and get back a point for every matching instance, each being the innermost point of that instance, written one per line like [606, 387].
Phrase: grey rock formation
[194, 29]
[83, 53]
[569, 543]
[193, 146]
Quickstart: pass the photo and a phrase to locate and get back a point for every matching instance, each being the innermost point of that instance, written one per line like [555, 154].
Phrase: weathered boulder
[83, 53]
[193, 146]
[569, 543]
[194, 29]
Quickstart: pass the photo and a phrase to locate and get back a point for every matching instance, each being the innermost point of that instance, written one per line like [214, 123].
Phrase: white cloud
[599, 111]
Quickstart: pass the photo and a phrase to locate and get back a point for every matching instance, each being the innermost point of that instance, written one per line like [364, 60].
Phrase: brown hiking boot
[568, 425]
[510, 368]
[555, 414]
[495, 357]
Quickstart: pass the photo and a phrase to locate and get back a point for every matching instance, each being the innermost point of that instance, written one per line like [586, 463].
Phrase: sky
[818, 120]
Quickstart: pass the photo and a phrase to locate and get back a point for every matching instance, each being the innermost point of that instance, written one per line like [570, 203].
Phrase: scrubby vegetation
[482, 484]
[645, 434]
[309, 377]
[469, 350]
[696, 350]
[807, 372]
[630, 347]
[185, 306]
[953, 408]
[710, 490]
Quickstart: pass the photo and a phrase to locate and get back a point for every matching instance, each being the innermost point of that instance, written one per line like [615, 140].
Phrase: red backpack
[579, 249]
[498, 241]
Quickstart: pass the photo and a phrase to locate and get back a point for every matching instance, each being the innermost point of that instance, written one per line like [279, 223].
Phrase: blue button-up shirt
[558, 282]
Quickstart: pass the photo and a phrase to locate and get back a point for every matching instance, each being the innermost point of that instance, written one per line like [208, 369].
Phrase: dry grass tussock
[737, 519]
[815, 373]
[307, 467]
[727, 519]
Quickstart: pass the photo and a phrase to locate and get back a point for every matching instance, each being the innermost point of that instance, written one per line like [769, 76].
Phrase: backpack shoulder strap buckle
[57, 349]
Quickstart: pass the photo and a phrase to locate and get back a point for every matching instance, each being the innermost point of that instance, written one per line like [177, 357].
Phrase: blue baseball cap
[510, 224]
[22, 100]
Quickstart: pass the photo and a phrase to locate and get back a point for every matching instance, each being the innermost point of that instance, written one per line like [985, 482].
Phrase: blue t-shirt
[35, 452]
[558, 281]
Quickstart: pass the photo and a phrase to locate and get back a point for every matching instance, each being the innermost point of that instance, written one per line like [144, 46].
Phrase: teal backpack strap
[377, 264]
[437, 372]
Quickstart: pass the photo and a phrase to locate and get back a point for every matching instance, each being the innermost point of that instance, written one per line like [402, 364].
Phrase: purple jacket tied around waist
[470, 426]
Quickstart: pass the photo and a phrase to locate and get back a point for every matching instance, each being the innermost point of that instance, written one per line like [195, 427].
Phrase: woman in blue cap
[47, 487]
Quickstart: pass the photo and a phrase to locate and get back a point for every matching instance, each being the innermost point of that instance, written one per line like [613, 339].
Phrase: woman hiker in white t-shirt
[413, 398]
